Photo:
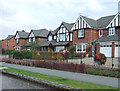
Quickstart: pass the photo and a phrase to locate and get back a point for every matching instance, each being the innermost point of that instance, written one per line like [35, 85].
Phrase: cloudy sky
[36, 14]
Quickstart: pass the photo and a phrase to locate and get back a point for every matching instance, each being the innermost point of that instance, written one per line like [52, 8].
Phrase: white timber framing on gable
[62, 34]
[31, 34]
[117, 21]
[80, 18]
[17, 36]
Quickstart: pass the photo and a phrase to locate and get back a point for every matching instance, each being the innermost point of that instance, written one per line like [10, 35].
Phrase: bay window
[80, 48]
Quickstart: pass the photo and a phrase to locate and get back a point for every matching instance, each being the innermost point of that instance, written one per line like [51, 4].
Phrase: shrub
[72, 50]
[24, 54]
[100, 58]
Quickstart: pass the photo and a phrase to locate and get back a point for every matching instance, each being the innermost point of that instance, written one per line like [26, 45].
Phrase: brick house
[60, 38]
[21, 38]
[109, 44]
[36, 36]
[88, 32]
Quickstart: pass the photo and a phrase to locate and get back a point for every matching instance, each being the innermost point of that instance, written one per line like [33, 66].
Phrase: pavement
[109, 81]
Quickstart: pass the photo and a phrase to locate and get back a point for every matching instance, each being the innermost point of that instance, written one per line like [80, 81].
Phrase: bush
[100, 58]
[24, 54]
[72, 50]
[6, 52]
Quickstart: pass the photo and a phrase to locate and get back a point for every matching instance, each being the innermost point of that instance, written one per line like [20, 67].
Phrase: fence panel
[48, 56]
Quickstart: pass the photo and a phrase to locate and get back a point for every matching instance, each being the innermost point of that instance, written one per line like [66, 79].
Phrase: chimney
[119, 6]
[23, 30]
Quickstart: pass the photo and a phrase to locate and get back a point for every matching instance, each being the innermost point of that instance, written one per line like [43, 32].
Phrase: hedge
[24, 54]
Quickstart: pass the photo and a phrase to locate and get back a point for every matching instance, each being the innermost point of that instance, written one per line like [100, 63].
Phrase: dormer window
[50, 38]
[111, 31]
[100, 33]
[80, 33]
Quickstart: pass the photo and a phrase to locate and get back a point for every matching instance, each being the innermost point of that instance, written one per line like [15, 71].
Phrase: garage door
[117, 50]
[106, 49]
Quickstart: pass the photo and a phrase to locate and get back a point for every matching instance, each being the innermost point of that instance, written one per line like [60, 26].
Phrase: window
[58, 48]
[62, 37]
[50, 38]
[17, 41]
[8, 42]
[54, 37]
[80, 48]
[34, 39]
[80, 33]
[111, 31]
[45, 48]
[100, 33]
[29, 39]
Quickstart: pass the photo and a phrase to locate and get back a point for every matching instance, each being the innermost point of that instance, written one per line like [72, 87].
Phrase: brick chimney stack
[119, 6]
[23, 30]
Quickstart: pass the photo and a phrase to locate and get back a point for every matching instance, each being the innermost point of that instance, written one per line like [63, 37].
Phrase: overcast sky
[36, 14]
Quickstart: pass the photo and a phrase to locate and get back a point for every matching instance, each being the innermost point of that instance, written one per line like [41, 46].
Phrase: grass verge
[59, 80]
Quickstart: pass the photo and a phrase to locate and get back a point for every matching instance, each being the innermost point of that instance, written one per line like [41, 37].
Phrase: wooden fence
[48, 56]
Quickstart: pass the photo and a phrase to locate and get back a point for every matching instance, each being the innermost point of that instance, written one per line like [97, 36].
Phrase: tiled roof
[10, 36]
[41, 33]
[99, 23]
[105, 38]
[23, 34]
[53, 43]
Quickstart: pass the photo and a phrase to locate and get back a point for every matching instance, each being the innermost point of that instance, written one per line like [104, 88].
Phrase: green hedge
[24, 54]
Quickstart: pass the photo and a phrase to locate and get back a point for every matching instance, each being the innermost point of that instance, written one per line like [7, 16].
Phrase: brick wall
[89, 36]
[12, 43]
[5, 43]
[21, 42]
[40, 39]
[118, 30]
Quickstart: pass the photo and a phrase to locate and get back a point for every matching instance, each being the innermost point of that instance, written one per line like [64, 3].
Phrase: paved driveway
[109, 81]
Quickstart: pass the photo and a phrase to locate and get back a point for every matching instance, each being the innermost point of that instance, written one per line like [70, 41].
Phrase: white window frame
[82, 49]
[100, 32]
[112, 31]
[80, 33]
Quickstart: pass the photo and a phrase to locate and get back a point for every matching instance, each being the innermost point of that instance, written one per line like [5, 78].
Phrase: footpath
[109, 81]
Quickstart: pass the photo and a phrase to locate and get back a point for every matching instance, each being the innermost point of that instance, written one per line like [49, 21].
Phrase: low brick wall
[90, 61]
[46, 83]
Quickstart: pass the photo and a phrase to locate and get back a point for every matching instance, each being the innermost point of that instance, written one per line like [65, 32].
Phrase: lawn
[59, 80]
